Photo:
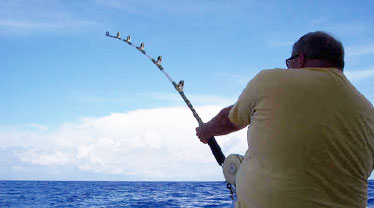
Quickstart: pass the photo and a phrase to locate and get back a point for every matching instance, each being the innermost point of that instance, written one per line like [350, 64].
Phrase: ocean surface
[119, 194]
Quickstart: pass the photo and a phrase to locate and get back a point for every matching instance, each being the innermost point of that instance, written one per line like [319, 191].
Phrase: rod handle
[216, 150]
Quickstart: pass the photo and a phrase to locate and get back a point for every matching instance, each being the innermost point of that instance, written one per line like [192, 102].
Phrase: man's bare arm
[217, 126]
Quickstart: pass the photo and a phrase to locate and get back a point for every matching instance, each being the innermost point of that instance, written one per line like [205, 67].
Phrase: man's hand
[203, 133]
[219, 125]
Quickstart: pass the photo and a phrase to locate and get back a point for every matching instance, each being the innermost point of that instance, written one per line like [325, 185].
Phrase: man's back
[311, 140]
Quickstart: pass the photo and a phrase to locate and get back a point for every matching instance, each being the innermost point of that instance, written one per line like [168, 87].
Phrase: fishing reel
[231, 166]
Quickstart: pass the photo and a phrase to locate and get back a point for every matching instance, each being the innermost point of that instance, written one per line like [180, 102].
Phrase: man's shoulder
[264, 78]
[288, 74]
[276, 78]
[270, 74]
[275, 70]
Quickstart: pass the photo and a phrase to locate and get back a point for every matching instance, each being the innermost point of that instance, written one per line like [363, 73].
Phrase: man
[311, 138]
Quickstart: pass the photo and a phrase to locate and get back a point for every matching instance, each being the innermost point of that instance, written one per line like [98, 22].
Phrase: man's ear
[300, 61]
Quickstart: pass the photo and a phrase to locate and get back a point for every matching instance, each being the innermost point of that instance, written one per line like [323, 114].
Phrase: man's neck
[319, 64]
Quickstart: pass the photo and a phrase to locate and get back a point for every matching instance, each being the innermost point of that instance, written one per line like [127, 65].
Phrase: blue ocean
[113, 194]
[119, 194]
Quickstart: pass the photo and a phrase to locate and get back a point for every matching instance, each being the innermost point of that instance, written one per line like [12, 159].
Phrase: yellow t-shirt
[310, 139]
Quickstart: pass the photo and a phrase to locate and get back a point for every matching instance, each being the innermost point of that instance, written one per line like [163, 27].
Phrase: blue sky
[76, 105]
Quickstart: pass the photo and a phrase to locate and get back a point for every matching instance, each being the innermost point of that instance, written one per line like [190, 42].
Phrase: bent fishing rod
[215, 148]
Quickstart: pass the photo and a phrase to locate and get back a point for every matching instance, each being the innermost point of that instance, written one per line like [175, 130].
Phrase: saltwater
[119, 194]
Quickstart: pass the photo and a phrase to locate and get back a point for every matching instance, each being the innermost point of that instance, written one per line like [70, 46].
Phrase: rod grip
[216, 150]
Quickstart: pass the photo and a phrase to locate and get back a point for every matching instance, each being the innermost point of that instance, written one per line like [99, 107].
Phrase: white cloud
[359, 51]
[359, 74]
[154, 144]
[241, 78]
[172, 98]
[25, 127]
[24, 24]
[40, 25]
[317, 22]
[128, 6]
[40, 16]
[169, 6]
[212, 100]
[341, 29]
[33, 157]
[280, 43]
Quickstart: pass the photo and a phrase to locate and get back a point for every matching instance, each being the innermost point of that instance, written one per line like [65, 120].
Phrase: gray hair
[320, 45]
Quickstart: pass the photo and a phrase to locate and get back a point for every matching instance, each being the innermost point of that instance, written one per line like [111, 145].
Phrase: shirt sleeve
[241, 112]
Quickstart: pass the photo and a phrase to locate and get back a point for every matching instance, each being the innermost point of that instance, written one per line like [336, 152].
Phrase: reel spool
[231, 166]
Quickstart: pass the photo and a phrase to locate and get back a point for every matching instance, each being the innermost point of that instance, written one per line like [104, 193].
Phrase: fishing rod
[215, 148]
